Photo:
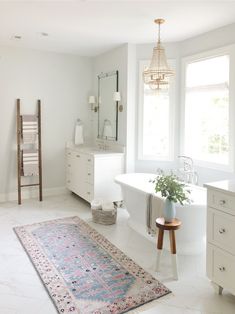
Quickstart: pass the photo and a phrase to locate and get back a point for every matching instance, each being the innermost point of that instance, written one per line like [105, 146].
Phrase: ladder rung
[24, 185]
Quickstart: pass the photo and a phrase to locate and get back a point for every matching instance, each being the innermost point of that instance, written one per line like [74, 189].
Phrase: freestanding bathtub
[136, 189]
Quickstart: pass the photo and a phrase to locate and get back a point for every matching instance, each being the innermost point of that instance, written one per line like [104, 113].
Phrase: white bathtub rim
[150, 191]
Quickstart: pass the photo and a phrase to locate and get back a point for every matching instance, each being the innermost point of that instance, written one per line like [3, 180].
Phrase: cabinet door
[78, 169]
[221, 267]
[220, 230]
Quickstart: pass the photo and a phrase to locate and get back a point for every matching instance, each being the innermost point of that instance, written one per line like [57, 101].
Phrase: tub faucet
[188, 172]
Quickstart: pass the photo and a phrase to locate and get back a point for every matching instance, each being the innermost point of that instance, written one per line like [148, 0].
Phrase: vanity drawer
[68, 181]
[68, 153]
[221, 201]
[89, 192]
[89, 175]
[223, 268]
[90, 160]
[220, 230]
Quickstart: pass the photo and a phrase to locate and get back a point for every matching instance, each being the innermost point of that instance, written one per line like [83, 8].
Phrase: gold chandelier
[157, 75]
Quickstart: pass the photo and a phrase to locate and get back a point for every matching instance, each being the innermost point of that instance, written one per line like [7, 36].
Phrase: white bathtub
[136, 189]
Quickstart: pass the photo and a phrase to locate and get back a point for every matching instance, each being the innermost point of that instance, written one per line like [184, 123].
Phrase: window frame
[172, 118]
[229, 50]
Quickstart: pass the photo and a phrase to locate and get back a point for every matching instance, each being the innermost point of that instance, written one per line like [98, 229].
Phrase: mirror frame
[105, 75]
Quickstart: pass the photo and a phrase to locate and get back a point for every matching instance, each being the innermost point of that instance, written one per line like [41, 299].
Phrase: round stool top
[174, 225]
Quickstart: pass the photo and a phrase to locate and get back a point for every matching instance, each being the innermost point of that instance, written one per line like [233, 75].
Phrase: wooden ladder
[20, 155]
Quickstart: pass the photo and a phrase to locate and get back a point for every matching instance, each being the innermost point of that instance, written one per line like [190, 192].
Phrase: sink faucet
[188, 172]
[102, 145]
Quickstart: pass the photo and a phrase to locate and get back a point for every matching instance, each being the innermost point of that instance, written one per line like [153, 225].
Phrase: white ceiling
[91, 27]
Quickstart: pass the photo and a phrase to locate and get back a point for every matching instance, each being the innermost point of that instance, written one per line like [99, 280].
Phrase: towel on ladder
[29, 129]
[30, 163]
[154, 210]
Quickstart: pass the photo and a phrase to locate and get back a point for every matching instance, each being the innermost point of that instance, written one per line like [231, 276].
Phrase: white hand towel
[78, 134]
[107, 130]
[155, 209]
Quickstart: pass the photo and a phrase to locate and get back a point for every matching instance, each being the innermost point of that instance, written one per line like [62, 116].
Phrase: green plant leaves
[171, 188]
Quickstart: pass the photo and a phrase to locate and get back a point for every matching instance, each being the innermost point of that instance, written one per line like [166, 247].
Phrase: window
[155, 122]
[206, 131]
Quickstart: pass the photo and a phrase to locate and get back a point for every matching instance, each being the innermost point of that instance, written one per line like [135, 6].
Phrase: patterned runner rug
[83, 272]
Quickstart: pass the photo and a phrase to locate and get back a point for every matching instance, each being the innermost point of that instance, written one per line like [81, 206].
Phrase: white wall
[217, 38]
[62, 82]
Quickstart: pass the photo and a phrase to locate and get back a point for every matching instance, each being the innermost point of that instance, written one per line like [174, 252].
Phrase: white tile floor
[21, 291]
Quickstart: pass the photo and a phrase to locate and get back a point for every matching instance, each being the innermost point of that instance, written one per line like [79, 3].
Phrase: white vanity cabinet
[91, 175]
[221, 235]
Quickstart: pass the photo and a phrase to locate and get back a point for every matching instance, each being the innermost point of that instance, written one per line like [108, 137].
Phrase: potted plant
[173, 191]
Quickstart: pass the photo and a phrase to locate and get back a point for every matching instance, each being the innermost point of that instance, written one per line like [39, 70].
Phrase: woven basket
[104, 217]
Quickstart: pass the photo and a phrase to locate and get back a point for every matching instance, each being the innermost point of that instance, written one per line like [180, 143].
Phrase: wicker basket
[104, 217]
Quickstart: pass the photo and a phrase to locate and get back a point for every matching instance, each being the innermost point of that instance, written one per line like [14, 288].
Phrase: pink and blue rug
[83, 272]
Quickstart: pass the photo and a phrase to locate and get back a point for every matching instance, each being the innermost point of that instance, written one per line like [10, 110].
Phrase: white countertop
[94, 150]
[227, 186]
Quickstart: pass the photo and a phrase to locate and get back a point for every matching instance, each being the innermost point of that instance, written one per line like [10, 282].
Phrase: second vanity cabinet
[91, 175]
[221, 235]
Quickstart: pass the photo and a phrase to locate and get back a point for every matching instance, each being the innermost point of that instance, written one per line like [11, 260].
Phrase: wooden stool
[171, 227]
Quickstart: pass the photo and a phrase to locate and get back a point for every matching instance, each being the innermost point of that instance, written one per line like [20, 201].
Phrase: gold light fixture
[158, 73]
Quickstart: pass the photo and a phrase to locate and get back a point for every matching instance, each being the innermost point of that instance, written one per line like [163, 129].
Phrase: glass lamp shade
[158, 73]
[116, 96]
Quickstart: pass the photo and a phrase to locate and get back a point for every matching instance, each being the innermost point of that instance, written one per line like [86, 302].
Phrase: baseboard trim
[32, 193]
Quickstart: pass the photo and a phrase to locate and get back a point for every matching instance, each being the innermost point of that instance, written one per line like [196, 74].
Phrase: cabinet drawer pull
[88, 174]
[222, 268]
[222, 230]
[88, 193]
[78, 156]
[88, 159]
[222, 202]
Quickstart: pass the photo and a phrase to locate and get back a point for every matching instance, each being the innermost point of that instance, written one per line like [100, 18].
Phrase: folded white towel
[28, 159]
[96, 204]
[29, 138]
[29, 118]
[107, 129]
[30, 151]
[30, 169]
[30, 155]
[30, 123]
[31, 130]
[107, 206]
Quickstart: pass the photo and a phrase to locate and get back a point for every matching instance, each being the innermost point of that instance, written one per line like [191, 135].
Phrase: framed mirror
[107, 107]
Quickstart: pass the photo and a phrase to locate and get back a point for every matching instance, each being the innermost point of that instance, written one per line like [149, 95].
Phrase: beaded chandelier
[158, 73]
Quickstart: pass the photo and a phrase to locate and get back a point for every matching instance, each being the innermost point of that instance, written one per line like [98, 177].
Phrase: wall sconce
[92, 102]
[117, 98]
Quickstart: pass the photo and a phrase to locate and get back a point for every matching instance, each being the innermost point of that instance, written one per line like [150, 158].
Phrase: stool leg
[159, 248]
[173, 254]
